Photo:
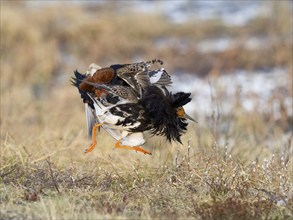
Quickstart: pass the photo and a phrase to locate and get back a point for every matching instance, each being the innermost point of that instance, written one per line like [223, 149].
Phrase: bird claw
[87, 150]
[141, 150]
[136, 148]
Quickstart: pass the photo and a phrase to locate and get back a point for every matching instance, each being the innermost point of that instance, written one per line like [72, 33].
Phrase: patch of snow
[222, 44]
[253, 91]
[214, 45]
[178, 11]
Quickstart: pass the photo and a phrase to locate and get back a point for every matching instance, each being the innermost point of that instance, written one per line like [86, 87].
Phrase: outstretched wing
[160, 77]
[129, 72]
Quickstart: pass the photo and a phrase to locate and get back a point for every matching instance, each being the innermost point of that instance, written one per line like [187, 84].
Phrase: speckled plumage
[117, 74]
[154, 112]
[129, 99]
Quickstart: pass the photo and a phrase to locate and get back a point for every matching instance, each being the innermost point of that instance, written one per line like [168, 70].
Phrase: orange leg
[136, 148]
[94, 131]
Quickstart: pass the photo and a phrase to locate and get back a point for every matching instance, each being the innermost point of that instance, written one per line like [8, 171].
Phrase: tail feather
[83, 94]
[90, 119]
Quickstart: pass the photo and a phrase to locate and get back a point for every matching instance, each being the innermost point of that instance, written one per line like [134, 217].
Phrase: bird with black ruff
[160, 113]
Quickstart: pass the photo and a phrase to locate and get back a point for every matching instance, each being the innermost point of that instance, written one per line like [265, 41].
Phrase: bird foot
[89, 149]
[136, 148]
[94, 131]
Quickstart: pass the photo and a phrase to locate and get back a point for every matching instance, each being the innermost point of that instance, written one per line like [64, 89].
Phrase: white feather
[155, 78]
[112, 132]
[90, 119]
[134, 139]
[92, 69]
[109, 124]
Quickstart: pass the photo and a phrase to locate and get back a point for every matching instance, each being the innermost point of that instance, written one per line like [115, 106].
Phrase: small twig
[83, 178]
[176, 159]
[272, 196]
[8, 172]
[27, 152]
[116, 172]
[44, 157]
[52, 176]
[226, 152]
[188, 155]
[183, 159]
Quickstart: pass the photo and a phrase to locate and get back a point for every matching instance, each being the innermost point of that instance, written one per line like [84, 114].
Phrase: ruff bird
[117, 74]
[158, 112]
[111, 84]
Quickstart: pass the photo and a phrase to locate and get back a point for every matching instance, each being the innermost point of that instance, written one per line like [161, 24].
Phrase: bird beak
[190, 118]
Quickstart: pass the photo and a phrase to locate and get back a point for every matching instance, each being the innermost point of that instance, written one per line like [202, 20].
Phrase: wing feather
[90, 119]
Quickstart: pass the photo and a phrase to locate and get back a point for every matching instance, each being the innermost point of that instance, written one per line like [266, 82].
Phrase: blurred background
[235, 57]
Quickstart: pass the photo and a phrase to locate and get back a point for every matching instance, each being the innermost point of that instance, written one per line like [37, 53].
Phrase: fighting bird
[128, 99]
[119, 74]
[158, 112]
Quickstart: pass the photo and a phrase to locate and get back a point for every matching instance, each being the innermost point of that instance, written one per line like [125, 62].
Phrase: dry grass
[52, 178]
[236, 166]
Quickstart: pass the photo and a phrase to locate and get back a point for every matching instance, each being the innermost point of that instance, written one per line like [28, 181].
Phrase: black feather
[156, 111]
[180, 99]
[118, 66]
[164, 117]
[79, 77]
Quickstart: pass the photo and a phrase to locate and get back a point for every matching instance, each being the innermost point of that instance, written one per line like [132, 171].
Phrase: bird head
[180, 112]
[178, 100]
[166, 112]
